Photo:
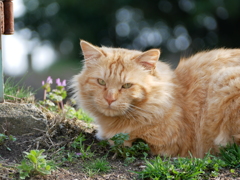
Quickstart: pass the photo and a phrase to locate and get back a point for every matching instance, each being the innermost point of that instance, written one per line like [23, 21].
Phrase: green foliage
[181, 168]
[53, 100]
[231, 155]
[70, 157]
[35, 163]
[63, 156]
[57, 95]
[118, 146]
[13, 90]
[79, 114]
[100, 165]
[78, 142]
[83, 151]
[103, 143]
[129, 153]
[46, 19]
[4, 138]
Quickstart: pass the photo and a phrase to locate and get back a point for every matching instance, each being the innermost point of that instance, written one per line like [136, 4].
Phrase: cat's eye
[127, 85]
[101, 82]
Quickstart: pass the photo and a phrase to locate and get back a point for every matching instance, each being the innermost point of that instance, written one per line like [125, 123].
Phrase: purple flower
[59, 83]
[78, 154]
[43, 82]
[49, 80]
[64, 82]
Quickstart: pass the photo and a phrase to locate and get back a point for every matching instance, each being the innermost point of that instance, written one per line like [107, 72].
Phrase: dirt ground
[60, 133]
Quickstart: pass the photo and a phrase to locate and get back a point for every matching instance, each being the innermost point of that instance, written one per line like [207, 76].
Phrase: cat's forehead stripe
[116, 68]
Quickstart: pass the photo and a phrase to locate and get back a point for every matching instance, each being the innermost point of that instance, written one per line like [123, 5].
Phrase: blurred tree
[173, 25]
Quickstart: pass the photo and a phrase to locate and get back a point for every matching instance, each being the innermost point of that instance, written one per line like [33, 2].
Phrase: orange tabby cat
[190, 110]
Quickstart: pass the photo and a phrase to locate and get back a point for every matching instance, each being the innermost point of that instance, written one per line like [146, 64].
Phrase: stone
[19, 119]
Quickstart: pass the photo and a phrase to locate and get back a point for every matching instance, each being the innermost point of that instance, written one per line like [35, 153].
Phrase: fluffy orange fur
[194, 109]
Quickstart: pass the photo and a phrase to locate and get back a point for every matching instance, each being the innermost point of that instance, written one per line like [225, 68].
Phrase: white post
[1, 62]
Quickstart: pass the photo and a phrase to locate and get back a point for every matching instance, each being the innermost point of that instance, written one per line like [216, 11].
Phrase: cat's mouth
[112, 109]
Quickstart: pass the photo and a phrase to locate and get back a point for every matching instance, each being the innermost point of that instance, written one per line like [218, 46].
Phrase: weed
[129, 153]
[103, 143]
[118, 146]
[70, 157]
[181, 168]
[35, 163]
[231, 155]
[78, 144]
[56, 96]
[53, 100]
[13, 90]
[79, 114]
[100, 165]
[4, 138]
[62, 156]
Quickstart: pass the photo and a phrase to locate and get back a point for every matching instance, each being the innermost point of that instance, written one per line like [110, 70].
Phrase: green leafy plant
[84, 152]
[35, 163]
[55, 96]
[181, 168]
[118, 147]
[100, 165]
[70, 156]
[4, 138]
[231, 155]
[129, 153]
[53, 100]
[79, 114]
[62, 156]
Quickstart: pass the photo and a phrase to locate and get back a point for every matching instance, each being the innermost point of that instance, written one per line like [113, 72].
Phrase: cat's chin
[111, 112]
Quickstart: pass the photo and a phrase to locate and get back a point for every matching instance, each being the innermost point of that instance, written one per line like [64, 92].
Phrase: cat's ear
[90, 51]
[149, 58]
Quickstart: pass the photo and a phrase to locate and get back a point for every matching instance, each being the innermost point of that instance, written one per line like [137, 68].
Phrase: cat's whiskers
[138, 108]
[129, 115]
[129, 112]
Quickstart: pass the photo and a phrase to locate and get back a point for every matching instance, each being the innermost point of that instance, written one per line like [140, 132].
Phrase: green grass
[13, 90]
[231, 155]
[181, 168]
[192, 168]
[100, 165]
[79, 146]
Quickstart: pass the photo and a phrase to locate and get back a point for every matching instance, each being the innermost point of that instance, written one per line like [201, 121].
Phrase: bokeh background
[47, 32]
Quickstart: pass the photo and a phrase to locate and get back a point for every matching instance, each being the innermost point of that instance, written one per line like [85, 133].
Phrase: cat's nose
[111, 96]
[110, 100]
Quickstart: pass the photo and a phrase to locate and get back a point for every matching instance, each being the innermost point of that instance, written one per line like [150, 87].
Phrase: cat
[193, 109]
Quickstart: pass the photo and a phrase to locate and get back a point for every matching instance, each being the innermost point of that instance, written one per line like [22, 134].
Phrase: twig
[114, 156]
[44, 108]
[39, 130]
[12, 96]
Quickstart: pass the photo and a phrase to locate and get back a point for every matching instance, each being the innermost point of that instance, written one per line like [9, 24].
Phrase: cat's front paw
[99, 136]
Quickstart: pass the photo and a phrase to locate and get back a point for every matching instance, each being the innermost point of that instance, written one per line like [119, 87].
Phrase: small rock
[19, 119]
[142, 167]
